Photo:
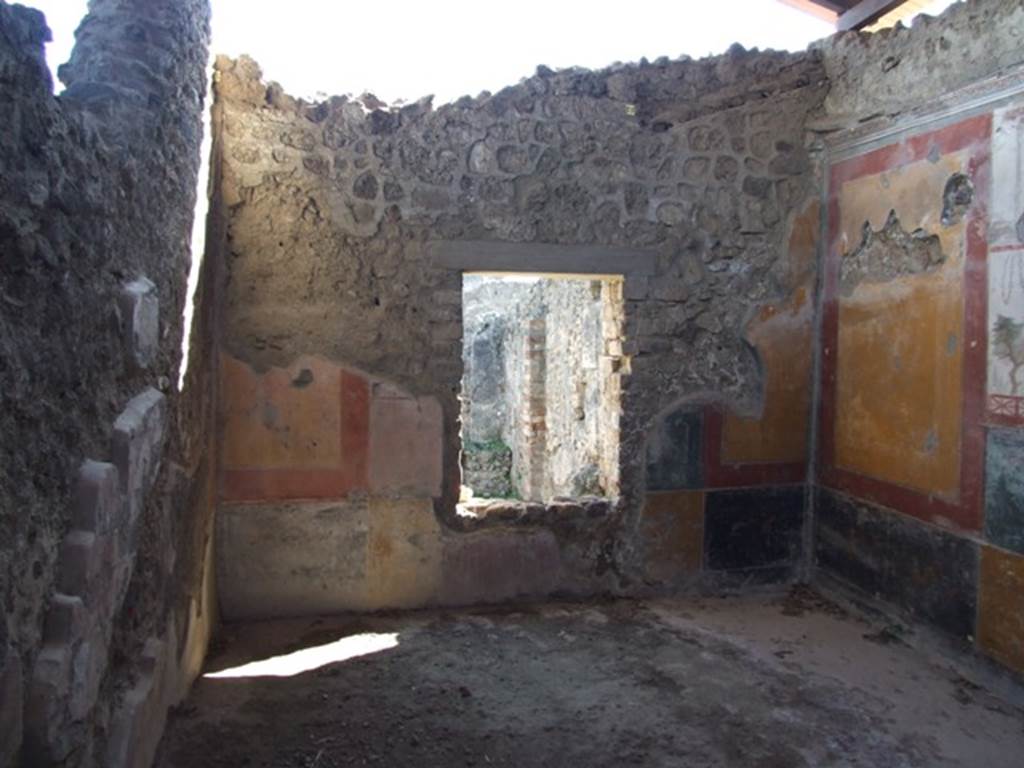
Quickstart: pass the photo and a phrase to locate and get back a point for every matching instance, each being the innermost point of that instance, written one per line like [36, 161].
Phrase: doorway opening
[541, 389]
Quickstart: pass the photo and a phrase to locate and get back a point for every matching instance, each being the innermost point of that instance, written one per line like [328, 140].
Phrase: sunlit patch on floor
[309, 659]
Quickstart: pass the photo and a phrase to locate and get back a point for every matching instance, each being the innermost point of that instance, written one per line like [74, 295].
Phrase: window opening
[541, 389]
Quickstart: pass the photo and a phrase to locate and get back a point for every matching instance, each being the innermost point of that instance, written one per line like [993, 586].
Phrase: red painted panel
[252, 485]
[355, 431]
[719, 475]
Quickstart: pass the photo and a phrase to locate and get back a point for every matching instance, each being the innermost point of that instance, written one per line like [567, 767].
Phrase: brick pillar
[534, 409]
[613, 366]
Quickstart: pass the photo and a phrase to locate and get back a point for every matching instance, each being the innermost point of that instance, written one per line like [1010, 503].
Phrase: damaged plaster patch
[889, 253]
[956, 198]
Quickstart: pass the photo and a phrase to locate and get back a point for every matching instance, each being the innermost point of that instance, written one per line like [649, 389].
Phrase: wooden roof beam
[865, 13]
[826, 11]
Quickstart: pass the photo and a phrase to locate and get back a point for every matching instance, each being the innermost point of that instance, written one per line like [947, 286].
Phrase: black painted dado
[850, 539]
[929, 572]
[674, 453]
[753, 528]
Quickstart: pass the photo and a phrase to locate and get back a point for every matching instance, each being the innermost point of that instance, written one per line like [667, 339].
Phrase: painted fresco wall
[328, 482]
[725, 502]
[920, 498]
[1006, 271]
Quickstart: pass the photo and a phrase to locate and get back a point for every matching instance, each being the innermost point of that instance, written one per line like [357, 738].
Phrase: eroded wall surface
[101, 570]
[919, 449]
[347, 227]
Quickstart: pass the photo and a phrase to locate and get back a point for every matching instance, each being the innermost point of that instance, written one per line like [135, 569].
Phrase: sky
[449, 48]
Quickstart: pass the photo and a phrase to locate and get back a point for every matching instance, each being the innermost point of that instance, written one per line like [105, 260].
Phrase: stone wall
[900, 69]
[577, 407]
[494, 312]
[98, 557]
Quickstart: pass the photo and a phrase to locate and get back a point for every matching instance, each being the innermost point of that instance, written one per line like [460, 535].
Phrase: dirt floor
[767, 681]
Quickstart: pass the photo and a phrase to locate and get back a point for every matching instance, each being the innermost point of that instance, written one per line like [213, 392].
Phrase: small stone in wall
[696, 168]
[512, 159]
[481, 158]
[393, 191]
[365, 187]
[757, 187]
[726, 169]
[671, 214]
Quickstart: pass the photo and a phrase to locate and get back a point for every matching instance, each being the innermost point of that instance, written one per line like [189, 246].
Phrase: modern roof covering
[869, 15]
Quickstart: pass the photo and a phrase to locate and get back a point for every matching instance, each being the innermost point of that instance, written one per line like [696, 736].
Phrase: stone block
[48, 737]
[1001, 607]
[65, 621]
[80, 561]
[138, 722]
[753, 528]
[99, 505]
[138, 447]
[675, 452]
[65, 681]
[89, 659]
[672, 533]
[140, 316]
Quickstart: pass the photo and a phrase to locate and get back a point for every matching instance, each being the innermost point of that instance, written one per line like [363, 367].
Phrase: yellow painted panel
[782, 336]
[1001, 607]
[899, 356]
[914, 192]
[285, 418]
[898, 387]
[404, 553]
